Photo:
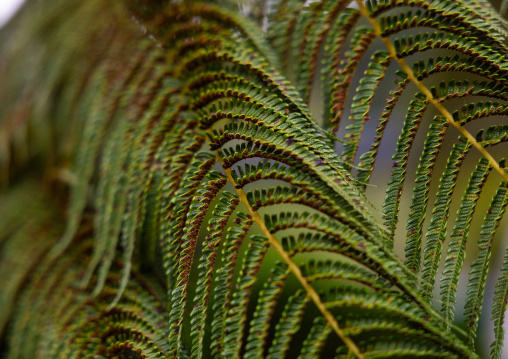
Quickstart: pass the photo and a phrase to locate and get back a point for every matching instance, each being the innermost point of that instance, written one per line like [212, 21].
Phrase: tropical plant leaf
[171, 189]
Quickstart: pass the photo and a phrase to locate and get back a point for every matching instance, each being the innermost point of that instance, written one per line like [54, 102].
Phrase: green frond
[314, 342]
[362, 100]
[235, 318]
[224, 283]
[207, 266]
[169, 187]
[288, 324]
[265, 308]
[480, 267]
[459, 236]
[398, 176]
[498, 310]
[435, 138]
[436, 234]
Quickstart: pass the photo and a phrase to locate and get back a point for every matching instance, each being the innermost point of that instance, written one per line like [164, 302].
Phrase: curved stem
[353, 348]
[449, 118]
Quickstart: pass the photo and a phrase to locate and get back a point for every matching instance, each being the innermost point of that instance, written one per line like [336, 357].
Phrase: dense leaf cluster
[168, 192]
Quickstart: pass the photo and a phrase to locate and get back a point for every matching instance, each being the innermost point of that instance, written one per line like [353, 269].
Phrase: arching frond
[176, 192]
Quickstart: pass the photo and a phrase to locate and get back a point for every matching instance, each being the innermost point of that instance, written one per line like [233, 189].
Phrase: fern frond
[187, 200]
[498, 310]
[480, 267]
[459, 236]
[436, 234]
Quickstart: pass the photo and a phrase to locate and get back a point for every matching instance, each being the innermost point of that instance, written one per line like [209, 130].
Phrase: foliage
[168, 193]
